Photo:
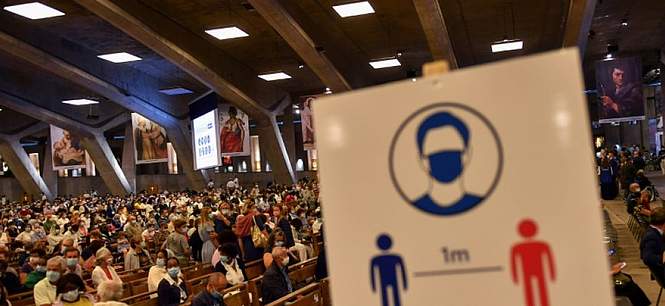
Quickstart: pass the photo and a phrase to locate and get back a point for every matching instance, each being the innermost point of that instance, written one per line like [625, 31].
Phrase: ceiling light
[227, 33]
[79, 102]
[413, 79]
[301, 66]
[392, 62]
[274, 76]
[624, 22]
[175, 91]
[507, 45]
[121, 57]
[353, 9]
[34, 10]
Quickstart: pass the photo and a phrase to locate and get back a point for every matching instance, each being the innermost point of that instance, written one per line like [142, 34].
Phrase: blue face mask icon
[445, 166]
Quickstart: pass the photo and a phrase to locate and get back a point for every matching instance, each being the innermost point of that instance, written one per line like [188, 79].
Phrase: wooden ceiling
[349, 43]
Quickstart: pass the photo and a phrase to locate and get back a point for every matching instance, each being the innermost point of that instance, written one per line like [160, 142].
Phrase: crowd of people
[52, 247]
[617, 169]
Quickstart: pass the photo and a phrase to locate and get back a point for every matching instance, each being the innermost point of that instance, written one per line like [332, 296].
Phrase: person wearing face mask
[26, 236]
[276, 239]
[223, 218]
[70, 291]
[36, 275]
[45, 290]
[103, 270]
[230, 264]
[158, 271]
[276, 282]
[73, 262]
[137, 257]
[212, 294]
[172, 290]
[31, 264]
[177, 242]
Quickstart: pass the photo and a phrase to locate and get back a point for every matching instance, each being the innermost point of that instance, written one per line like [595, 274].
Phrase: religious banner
[234, 131]
[150, 141]
[66, 150]
[619, 87]
[307, 123]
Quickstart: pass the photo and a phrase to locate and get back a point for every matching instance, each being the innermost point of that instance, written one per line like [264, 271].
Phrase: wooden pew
[303, 273]
[196, 285]
[142, 299]
[300, 273]
[196, 271]
[237, 295]
[255, 268]
[139, 274]
[325, 291]
[138, 286]
[307, 296]
[254, 287]
[22, 299]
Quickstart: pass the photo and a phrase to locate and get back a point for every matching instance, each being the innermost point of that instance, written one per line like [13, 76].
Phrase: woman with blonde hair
[206, 226]
[104, 270]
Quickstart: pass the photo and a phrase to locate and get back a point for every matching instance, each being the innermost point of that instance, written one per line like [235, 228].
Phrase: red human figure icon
[529, 257]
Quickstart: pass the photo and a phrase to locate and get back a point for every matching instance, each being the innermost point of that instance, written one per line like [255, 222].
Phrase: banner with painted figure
[619, 87]
[234, 131]
[306, 122]
[150, 141]
[66, 149]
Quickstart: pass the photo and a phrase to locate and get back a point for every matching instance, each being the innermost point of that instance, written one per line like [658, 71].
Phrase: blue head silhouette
[444, 165]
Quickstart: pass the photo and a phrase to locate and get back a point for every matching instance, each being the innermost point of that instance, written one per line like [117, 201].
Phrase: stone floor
[628, 247]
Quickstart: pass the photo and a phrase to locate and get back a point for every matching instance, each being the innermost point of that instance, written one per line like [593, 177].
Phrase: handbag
[258, 238]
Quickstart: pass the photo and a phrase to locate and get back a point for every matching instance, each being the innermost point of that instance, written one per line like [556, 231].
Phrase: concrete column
[289, 134]
[50, 175]
[24, 171]
[129, 157]
[108, 166]
[272, 146]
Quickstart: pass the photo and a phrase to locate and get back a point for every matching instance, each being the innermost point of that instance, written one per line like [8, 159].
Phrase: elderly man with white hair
[109, 293]
[45, 290]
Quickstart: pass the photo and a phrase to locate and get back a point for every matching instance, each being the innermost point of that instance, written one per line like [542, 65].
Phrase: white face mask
[285, 261]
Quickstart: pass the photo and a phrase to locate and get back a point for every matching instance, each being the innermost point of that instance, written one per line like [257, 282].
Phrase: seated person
[73, 261]
[9, 279]
[230, 264]
[276, 283]
[212, 293]
[642, 179]
[109, 293]
[158, 271]
[632, 200]
[70, 291]
[652, 245]
[172, 290]
[36, 275]
[276, 239]
[45, 289]
[137, 256]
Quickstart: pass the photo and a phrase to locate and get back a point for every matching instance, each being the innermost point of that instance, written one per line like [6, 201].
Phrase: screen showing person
[234, 132]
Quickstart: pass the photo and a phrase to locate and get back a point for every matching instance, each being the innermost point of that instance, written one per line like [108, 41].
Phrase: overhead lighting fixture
[175, 91]
[353, 9]
[79, 102]
[386, 63]
[227, 33]
[274, 76]
[120, 57]
[624, 22]
[507, 45]
[34, 10]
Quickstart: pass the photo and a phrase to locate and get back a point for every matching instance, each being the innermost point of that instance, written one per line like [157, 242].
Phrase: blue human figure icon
[387, 265]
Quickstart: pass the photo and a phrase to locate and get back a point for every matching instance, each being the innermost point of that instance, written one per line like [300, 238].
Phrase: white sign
[206, 141]
[471, 188]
